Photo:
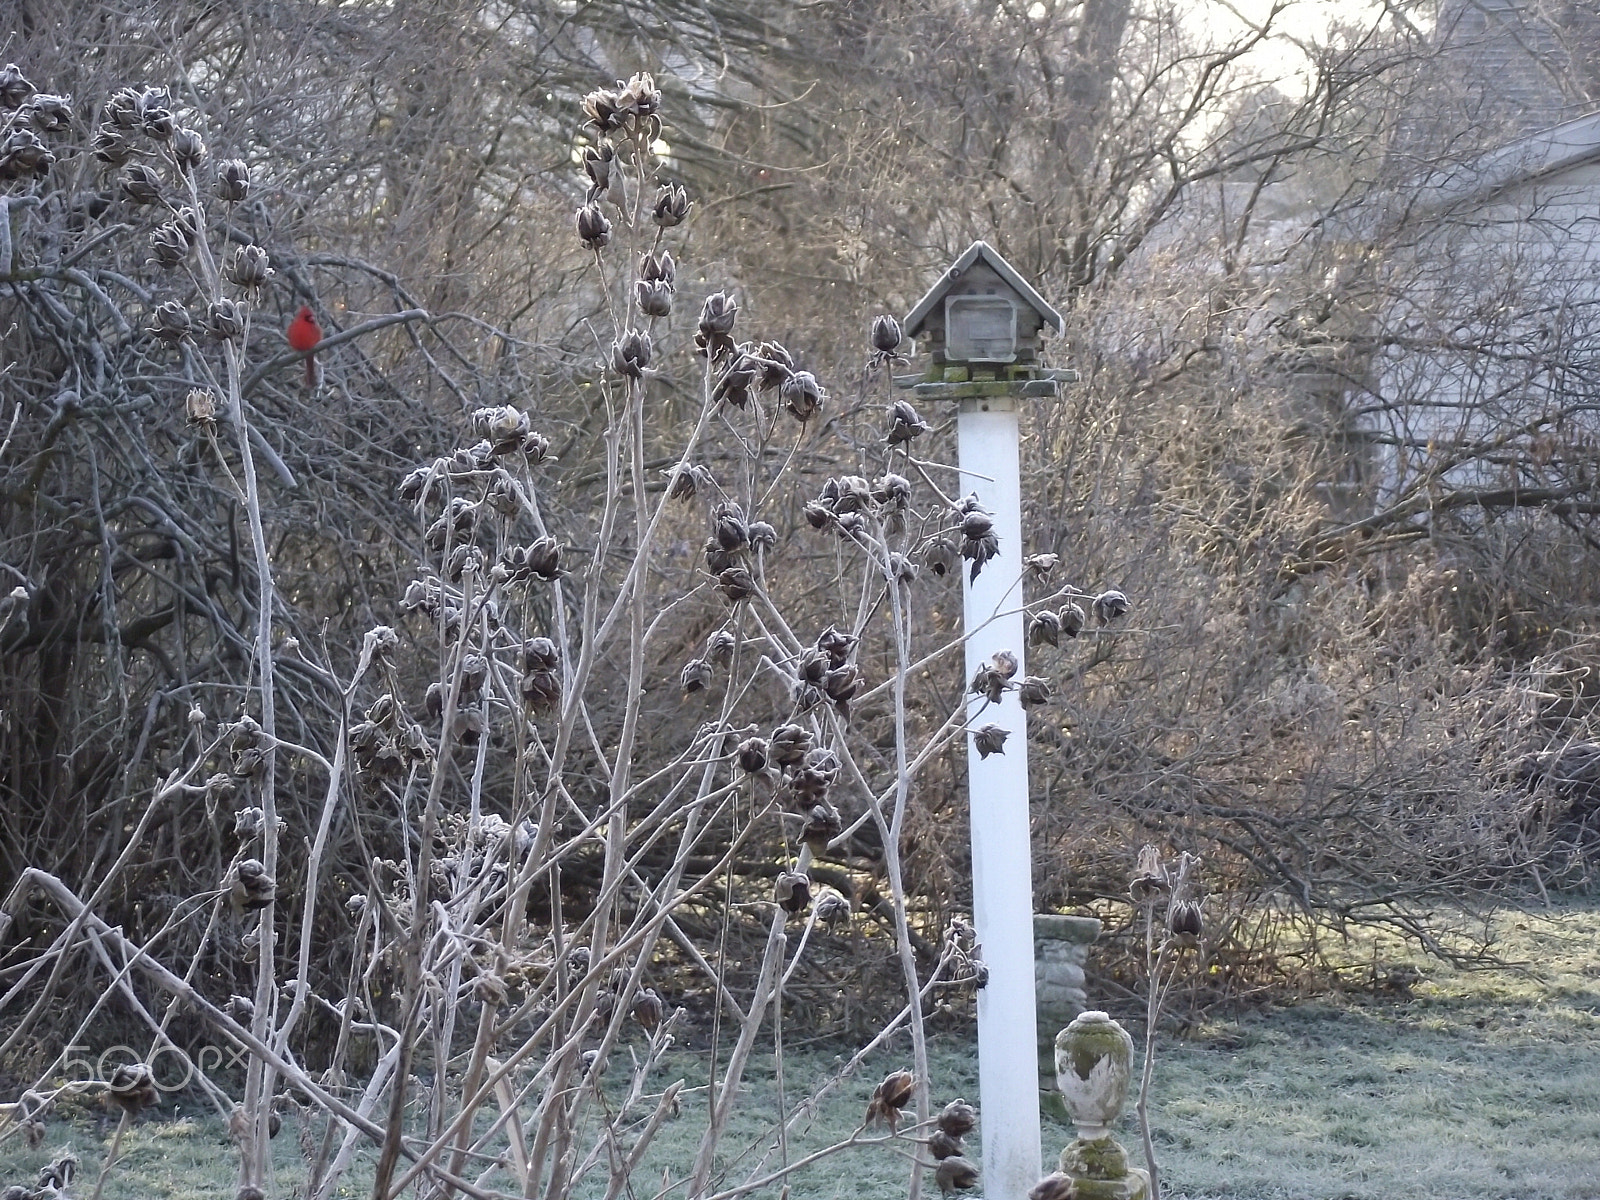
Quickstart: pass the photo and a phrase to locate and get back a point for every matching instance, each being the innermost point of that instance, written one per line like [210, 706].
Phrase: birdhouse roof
[991, 258]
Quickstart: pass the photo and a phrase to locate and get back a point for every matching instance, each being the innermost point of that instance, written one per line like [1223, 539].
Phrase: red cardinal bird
[304, 334]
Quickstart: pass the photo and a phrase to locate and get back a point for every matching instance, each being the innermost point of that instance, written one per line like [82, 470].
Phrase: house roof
[991, 258]
[1570, 144]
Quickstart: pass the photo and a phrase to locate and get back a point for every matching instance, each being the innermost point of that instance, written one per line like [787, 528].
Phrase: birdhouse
[982, 320]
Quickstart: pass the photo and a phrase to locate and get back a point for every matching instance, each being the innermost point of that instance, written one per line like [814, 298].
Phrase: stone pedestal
[1094, 1066]
[1060, 950]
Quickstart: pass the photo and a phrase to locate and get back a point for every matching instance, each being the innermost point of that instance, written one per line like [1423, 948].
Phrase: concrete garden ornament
[1094, 1064]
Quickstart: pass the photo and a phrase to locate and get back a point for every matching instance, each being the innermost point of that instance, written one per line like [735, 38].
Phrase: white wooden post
[1002, 875]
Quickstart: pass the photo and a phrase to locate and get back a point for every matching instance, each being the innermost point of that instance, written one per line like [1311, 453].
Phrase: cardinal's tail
[311, 370]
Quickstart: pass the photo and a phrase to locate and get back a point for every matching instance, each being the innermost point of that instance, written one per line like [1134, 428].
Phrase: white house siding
[1500, 325]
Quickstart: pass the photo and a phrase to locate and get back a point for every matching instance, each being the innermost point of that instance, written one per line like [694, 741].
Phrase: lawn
[1475, 1085]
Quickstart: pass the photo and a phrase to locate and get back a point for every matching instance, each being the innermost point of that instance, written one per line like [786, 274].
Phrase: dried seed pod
[1057, 1185]
[1109, 605]
[776, 365]
[233, 180]
[225, 320]
[1040, 566]
[717, 317]
[696, 676]
[718, 560]
[802, 395]
[956, 1174]
[736, 584]
[169, 246]
[1034, 690]
[251, 888]
[433, 701]
[671, 206]
[980, 550]
[833, 909]
[941, 1145]
[249, 823]
[659, 268]
[57, 1175]
[640, 97]
[816, 772]
[23, 155]
[133, 1088]
[110, 145]
[33, 1133]
[1004, 663]
[988, 683]
[602, 107]
[536, 449]
[48, 113]
[544, 559]
[594, 231]
[792, 892]
[422, 595]
[849, 494]
[891, 491]
[1185, 922]
[836, 645]
[1044, 629]
[249, 268]
[905, 424]
[989, 739]
[504, 426]
[598, 163]
[790, 744]
[729, 528]
[122, 109]
[976, 524]
[141, 185]
[474, 673]
[763, 537]
[889, 1097]
[720, 646]
[1150, 880]
[958, 1118]
[886, 336]
[811, 666]
[630, 354]
[733, 386]
[843, 685]
[823, 824]
[540, 654]
[686, 479]
[188, 148]
[647, 1009]
[819, 515]
[200, 408]
[902, 569]
[941, 557]
[752, 755]
[654, 299]
[1072, 619]
[171, 321]
[155, 115]
[14, 87]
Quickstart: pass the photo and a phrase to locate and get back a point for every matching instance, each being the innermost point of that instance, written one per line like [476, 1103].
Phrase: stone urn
[1094, 1065]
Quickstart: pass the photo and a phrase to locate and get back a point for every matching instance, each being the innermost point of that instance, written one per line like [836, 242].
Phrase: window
[980, 329]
